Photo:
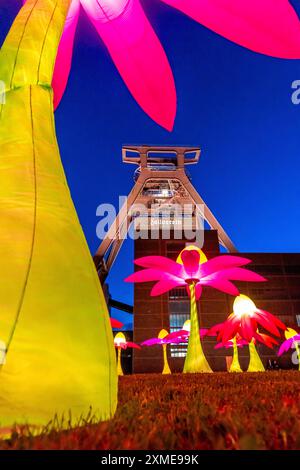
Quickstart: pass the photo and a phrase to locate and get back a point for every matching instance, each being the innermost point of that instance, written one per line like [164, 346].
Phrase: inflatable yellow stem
[195, 360]
[235, 365]
[255, 364]
[59, 356]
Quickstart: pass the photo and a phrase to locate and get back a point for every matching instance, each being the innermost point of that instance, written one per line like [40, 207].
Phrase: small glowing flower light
[292, 340]
[244, 321]
[161, 340]
[193, 270]
[121, 343]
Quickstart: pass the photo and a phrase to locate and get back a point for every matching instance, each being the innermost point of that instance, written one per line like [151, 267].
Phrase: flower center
[243, 305]
[105, 10]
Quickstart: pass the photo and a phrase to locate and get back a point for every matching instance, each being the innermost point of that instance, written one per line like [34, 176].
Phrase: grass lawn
[193, 411]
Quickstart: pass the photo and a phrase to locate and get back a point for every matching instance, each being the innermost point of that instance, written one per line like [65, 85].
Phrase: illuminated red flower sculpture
[243, 324]
[245, 320]
[193, 270]
[264, 26]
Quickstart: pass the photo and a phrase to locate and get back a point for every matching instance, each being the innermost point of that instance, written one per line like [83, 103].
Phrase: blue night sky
[233, 103]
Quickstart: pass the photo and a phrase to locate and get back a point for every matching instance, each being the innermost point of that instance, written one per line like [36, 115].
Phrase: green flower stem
[195, 360]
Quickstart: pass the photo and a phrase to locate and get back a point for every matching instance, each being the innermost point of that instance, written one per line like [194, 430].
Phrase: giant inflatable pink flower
[265, 26]
[217, 272]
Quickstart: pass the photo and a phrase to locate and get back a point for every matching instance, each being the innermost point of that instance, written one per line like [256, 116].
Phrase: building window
[176, 322]
[179, 293]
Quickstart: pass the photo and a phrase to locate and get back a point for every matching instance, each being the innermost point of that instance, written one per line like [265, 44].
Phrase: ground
[192, 411]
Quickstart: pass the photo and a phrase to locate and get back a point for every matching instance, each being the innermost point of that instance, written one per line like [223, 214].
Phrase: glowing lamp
[243, 305]
[187, 325]
[119, 339]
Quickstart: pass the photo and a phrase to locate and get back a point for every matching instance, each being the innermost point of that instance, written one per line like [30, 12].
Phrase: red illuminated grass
[211, 411]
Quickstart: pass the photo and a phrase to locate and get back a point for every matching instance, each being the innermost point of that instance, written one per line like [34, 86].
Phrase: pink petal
[222, 262]
[64, 54]
[266, 340]
[146, 275]
[162, 263]
[267, 322]
[180, 334]
[221, 284]
[265, 26]
[139, 58]
[241, 274]
[116, 323]
[132, 345]
[229, 329]
[178, 340]
[151, 342]
[274, 319]
[285, 346]
[191, 261]
[248, 328]
[162, 287]
[214, 330]
[198, 291]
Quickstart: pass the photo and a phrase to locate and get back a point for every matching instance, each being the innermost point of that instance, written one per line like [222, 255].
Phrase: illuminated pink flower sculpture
[193, 270]
[121, 343]
[264, 26]
[292, 341]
